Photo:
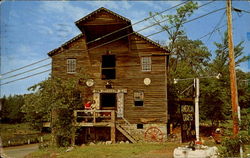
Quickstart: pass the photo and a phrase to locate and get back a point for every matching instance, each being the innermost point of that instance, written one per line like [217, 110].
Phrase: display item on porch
[87, 105]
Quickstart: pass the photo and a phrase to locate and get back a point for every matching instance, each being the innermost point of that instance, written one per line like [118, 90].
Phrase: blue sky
[30, 29]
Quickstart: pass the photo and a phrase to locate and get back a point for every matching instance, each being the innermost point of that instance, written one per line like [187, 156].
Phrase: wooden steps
[126, 134]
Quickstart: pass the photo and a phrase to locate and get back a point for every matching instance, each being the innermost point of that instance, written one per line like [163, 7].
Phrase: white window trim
[146, 65]
[141, 94]
[71, 65]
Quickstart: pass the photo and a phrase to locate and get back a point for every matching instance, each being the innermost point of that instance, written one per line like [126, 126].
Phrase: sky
[31, 29]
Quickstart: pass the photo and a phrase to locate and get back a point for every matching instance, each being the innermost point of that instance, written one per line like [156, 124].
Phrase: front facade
[124, 72]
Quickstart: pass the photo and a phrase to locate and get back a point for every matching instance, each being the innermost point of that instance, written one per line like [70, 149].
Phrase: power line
[212, 31]
[101, 37]
[218, 28]
[25, 77]
[217, 25]
[145, 19]
[189, 21]
[151, 26]
[144, 29]
[240, 10]
[123, 37]
[24, 66]
[111, 33]
[26, 71]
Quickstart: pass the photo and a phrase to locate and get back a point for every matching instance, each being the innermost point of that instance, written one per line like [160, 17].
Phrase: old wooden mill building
[126, 79]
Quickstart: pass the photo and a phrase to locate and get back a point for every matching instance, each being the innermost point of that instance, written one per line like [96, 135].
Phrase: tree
[54, 100]
[215, 95]
[11, 112]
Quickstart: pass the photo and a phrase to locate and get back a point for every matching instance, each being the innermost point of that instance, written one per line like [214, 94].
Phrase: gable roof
[150, 41]
[97, 11]
[51, 53]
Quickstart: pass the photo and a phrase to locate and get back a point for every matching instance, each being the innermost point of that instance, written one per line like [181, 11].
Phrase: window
[108, 67]
[71, 65]
[139, 126]
[138, 98]
[146, 63]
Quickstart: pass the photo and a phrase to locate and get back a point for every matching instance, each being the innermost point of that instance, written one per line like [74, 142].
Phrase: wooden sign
[188, 120]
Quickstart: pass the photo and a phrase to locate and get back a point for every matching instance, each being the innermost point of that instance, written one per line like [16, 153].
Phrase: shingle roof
[97, 11]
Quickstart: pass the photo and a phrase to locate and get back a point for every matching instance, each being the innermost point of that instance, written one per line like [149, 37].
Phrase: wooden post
[74, 121]
[54, 139]
[233, 85]
[94, 115]
[112, 128]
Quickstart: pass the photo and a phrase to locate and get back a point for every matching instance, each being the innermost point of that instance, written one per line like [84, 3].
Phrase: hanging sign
[187, 120]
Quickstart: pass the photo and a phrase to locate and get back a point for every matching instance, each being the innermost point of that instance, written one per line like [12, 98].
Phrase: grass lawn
[145, 150]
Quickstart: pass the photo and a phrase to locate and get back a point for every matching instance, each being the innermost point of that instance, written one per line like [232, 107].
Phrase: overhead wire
[153, 25]
[25, 77]
[218, 28]
[217, 25]
[103, 36]
[123, 37]
[190, 20]
[26, 71]
[24, 66]
[240, 10]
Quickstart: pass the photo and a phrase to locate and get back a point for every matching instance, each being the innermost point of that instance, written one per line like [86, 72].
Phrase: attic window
[108, 67]
[146, 63]
[138, 98]
[71, 65]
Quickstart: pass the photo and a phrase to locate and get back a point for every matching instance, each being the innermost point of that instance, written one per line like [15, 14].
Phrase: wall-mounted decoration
[147, 81]
[90, 82]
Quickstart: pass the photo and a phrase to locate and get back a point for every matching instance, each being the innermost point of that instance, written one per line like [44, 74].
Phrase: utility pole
[233, 85]
[196, 99]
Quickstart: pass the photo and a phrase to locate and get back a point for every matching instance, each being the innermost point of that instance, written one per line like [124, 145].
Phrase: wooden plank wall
[128, 73]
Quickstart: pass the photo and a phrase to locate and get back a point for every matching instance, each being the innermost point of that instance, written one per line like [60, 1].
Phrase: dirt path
[20, 151]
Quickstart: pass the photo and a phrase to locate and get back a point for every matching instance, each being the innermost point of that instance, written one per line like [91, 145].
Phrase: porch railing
[94, 116]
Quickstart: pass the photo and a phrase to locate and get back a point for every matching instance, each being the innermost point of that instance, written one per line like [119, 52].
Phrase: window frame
[146, 65]
[71, 65]
[138, 97]
[106, 68]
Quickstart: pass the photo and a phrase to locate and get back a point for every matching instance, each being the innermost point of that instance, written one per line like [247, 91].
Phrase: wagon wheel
[153, 134]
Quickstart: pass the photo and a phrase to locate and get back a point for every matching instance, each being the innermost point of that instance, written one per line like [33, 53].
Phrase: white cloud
[65, 8]
[45, 30]
[106, 4]
[157, 6]
[123, 5]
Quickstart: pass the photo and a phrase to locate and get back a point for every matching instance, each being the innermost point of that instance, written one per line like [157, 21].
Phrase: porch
[103, 118]
[94, 118]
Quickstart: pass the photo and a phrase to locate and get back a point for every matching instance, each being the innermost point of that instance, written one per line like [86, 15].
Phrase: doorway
[108, 101]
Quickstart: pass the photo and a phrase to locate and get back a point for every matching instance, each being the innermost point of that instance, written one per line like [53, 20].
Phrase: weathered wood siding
[128, 73]
[128, 70]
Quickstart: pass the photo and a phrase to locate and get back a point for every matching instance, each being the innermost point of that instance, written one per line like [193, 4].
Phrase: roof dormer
[103, 22]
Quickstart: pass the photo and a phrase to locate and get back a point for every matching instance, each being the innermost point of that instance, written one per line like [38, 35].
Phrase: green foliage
[231, 146]
[55, 94]
[176, 21]
[11, 106]
[215, 94]
[190, 59]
